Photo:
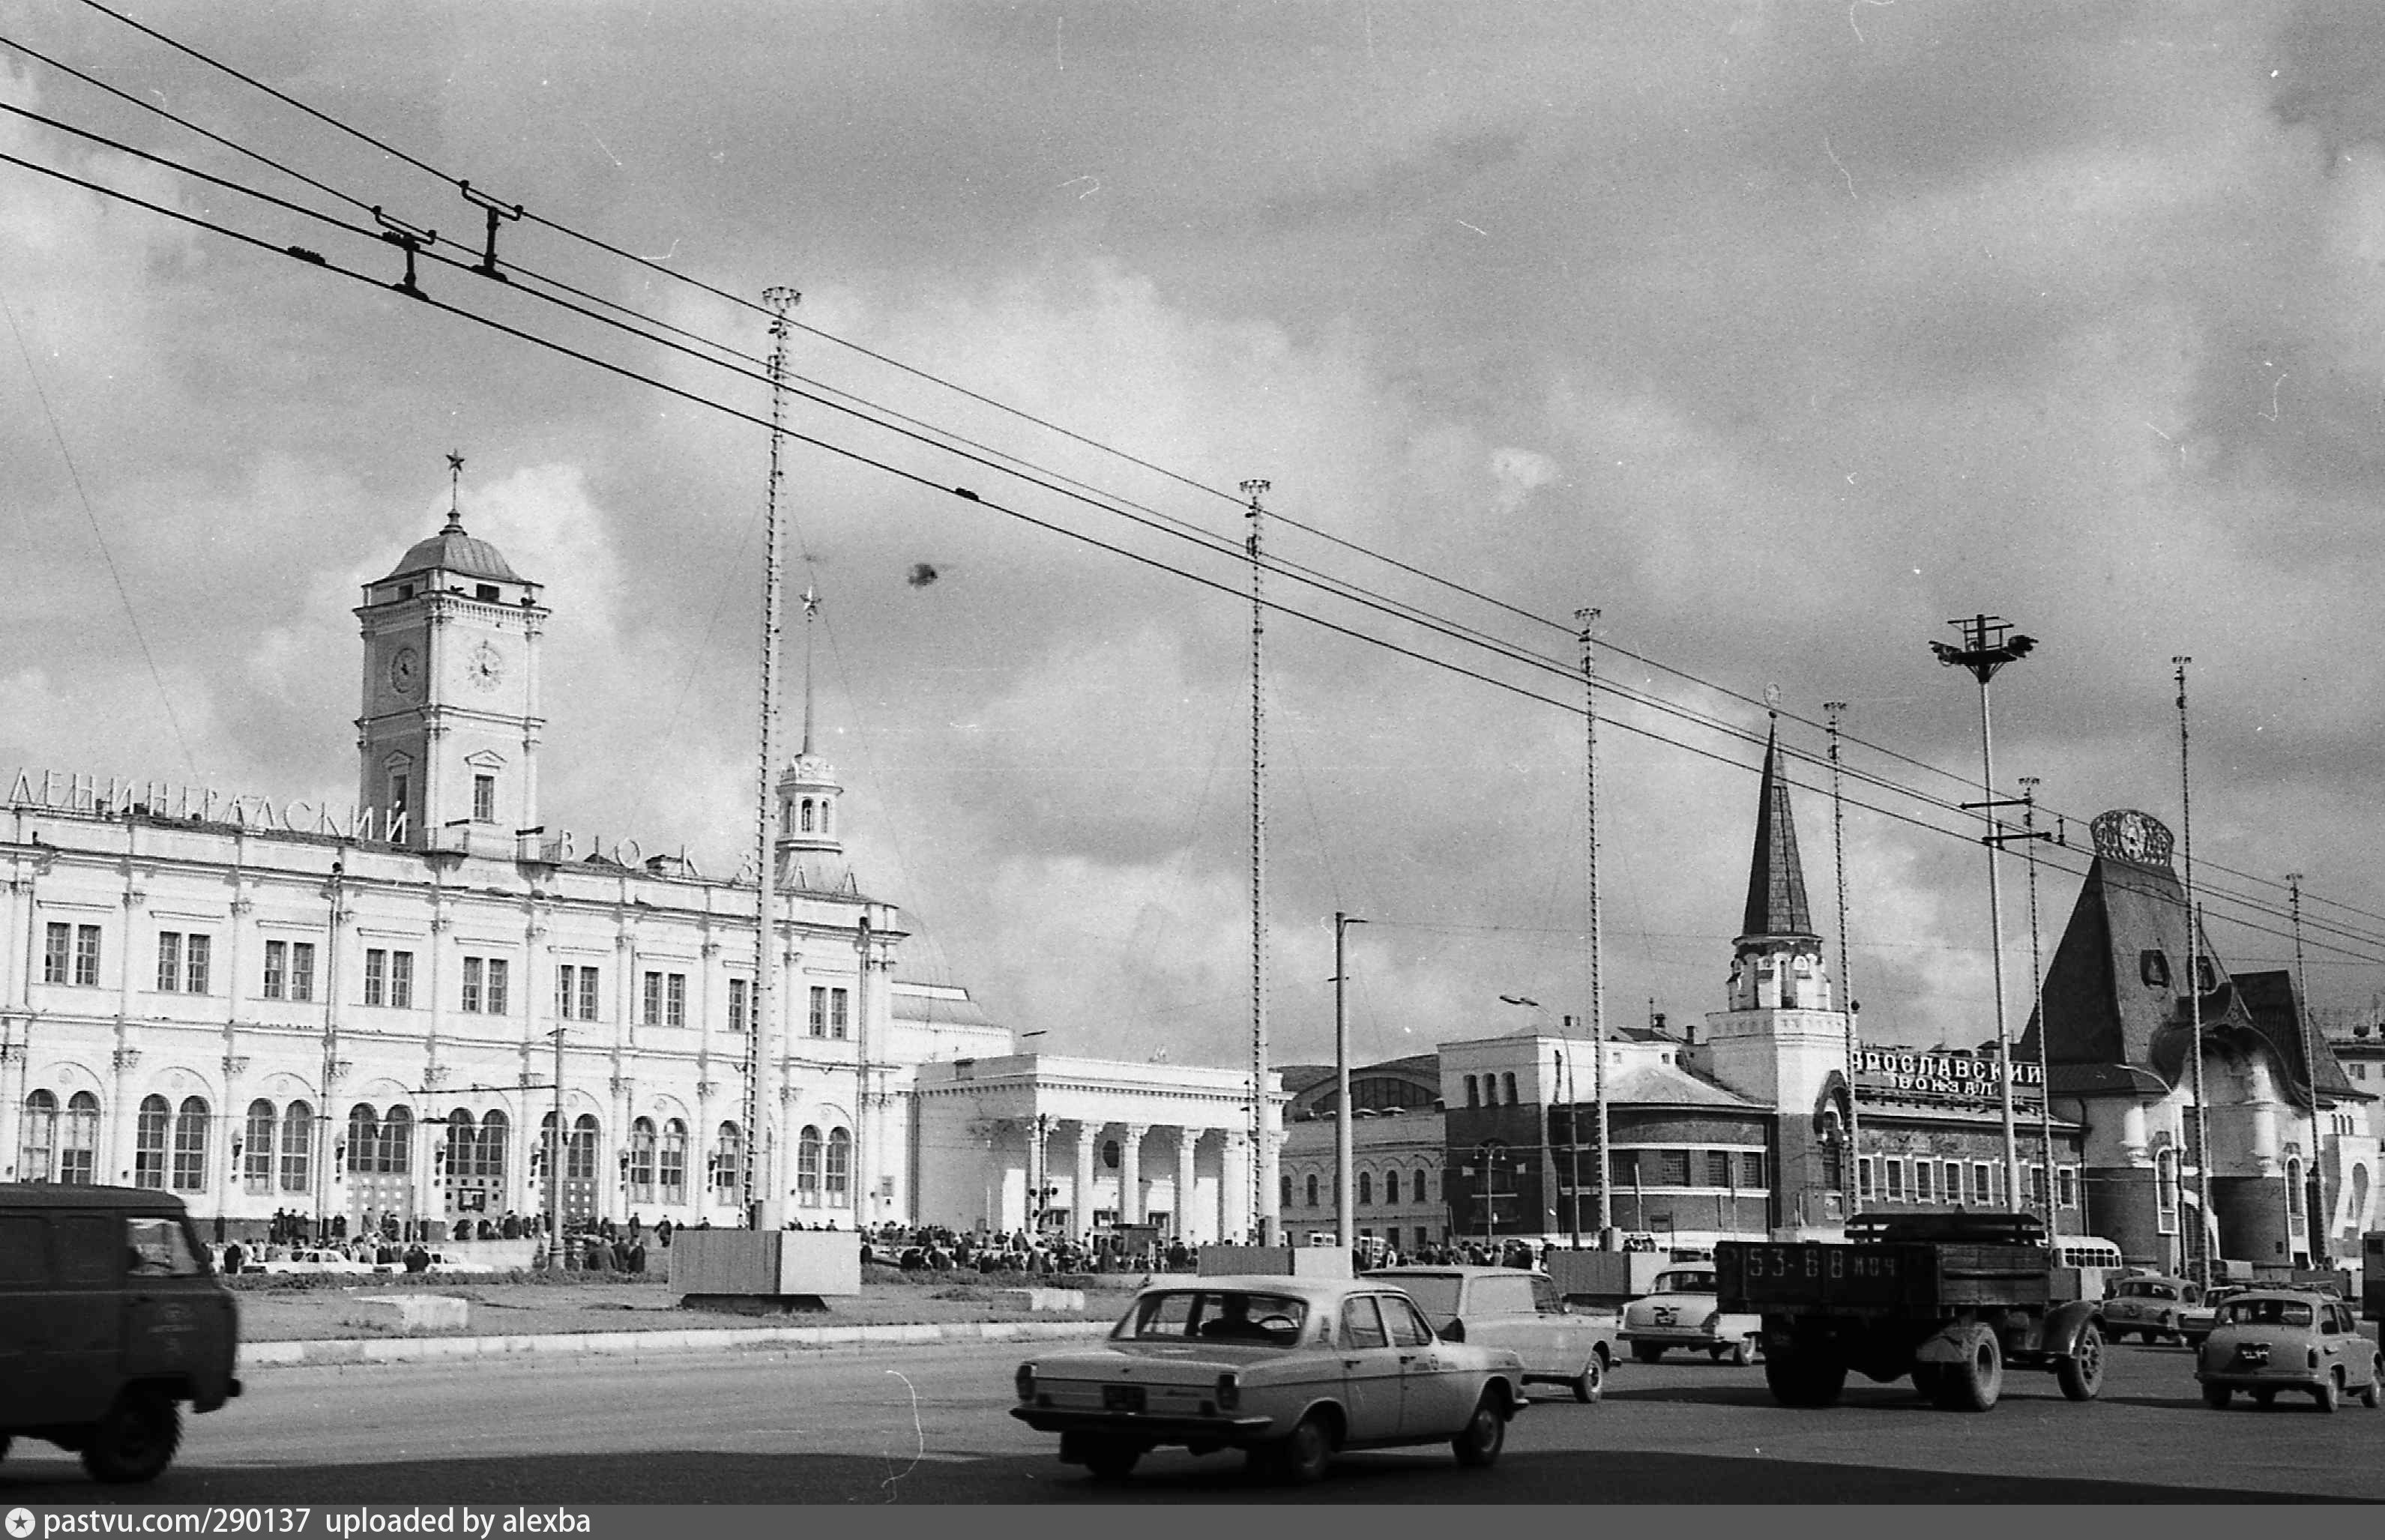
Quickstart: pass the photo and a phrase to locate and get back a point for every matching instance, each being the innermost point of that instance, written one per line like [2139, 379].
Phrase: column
[1188, 1140]
[1080, 1217]
[1234, 1217]
[1131, 1172]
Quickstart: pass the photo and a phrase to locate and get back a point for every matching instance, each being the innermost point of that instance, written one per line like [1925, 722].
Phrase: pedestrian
[235, 1259]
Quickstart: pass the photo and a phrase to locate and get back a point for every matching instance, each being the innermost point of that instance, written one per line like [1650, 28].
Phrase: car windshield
[1437, 1296]
[1216, 1315]
[2140, 1290]
[1694, 1280]
[2266, 1312]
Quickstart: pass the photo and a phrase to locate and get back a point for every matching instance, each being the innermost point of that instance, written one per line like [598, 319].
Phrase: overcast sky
[1779, 333]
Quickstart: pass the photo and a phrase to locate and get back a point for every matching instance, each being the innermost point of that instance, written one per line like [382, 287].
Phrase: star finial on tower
[455, 488]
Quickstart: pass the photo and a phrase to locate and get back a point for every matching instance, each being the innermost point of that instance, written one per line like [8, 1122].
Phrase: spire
[1776, 880]
[811, 613]
[454, 492]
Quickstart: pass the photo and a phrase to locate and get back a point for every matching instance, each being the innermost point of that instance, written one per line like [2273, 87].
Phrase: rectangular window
[497, 1001]
[1950, 1182]
[169, 960]
[1625, 1166]
[484, 799]
[836, 1019]
[197, 954]
[58, 944]
[653, 1011]
[1866, 1181]
[376, 976]
[277, 969]
[737, 1006]
[471, 1000]
[301, 970]
[675, 1001]
[2037, 1184]
[1894, 1172]
[1751, 1168]
[1672, 1168]
[587, 994]
[401, 980]
[2066, 1186]
[1717, 1168]
[1922, 1172]
[575, 992]
[819, 1011]
[1979, 1182]
[87, 954]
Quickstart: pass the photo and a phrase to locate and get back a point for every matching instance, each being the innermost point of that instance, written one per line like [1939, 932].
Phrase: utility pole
[2202, 1221]
[1262, 1153]
[765, 1191]
[2314, 1205]
[556, 1147]
[1986, 648]
[1586, 618]
[1847, 1168]
[2029, 785]
[1346, 1180]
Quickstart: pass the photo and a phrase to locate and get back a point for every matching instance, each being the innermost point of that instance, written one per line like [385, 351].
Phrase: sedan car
[1504, 1307]
[2151, 1306]
[1684, 1311]
[2268, 1340]
[1288, 1369]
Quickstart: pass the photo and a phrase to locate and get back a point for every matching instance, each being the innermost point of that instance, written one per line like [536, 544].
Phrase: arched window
[2165, 1192]
[1311, 1191]
[1510, 1078]
[2294, 1191]
[825, 806]
[363, 1133]
[807, 1163]
[807, 815]
[727, 1164]
[462, 1146]
[149, 1142]
[1473, 1092]
[580, 1156]
[257, 1148]
[38, 1161]
[1392, 1186]
[674, 1161]
[495, 1131]
[1366, 1186]
[297, 1146]
[840, 1165]
[397, 1155]
[643, 1146]
[1286, 1181]
[79, 1151]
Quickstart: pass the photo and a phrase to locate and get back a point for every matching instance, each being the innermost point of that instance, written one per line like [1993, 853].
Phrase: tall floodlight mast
[1985, 649]
[1263, 1193]
[1848, 1166]
[1586, 618]
[2029, 785]
[763, 1191]
[2313, 1203]
[2202, 1223]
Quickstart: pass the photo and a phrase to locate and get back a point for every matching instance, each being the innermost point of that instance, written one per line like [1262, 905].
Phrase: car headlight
[1026, 1382]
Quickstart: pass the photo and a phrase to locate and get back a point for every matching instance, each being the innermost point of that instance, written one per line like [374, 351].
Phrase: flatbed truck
[1952, 1300]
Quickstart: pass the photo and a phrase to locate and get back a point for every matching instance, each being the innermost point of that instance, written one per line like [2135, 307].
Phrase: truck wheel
[2082, 1373]
[1804, 1379]
[1974, 1382]
[1925, 1380]
[135, 1439]
[1591, 1384]
[1647, 1352]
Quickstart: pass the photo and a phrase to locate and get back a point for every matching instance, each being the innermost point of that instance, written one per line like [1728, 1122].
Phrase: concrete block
[424, 1312]
[1040, 1298]
[776, 1263]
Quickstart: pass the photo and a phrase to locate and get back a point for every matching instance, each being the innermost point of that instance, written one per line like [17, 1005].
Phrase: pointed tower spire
[811, 613]
[1776, 878]
[454, 492]
[810, 844]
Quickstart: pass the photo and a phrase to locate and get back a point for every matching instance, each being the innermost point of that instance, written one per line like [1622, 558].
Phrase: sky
[1777, 334]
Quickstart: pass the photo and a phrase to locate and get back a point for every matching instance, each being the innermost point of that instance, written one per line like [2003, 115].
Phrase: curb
[441, 1349]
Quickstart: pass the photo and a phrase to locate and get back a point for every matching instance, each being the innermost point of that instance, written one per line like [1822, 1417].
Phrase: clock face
[404, 670]
[485, 668]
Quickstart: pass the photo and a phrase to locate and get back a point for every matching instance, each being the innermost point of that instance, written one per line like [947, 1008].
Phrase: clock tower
[447, 744]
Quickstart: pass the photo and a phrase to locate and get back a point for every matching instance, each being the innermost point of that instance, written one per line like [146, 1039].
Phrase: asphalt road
[929, 1425]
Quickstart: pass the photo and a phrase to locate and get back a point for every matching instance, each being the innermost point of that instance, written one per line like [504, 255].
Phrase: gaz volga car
[2268, 1340]
[1683, 1310]
[1289, 1370]
[2152, 1306]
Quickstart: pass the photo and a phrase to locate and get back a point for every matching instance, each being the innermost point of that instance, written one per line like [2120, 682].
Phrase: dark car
[111, 1317]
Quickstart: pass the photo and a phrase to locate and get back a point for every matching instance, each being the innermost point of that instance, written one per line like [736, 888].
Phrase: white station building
[265, 1006]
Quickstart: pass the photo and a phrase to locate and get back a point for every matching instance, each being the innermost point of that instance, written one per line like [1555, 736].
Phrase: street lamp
[1986, 649]
[1567, 1057]
[1346, 1181]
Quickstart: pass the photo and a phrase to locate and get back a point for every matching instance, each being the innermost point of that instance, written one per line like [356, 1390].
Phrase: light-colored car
[2268, 1340]
[310, 1261]
[1684, 1311]
[2152, 1306]
[1504, 1307]
[1289, 1370]
[442, 1262]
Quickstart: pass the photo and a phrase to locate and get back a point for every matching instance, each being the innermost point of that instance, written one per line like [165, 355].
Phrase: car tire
[1975, 1381]
[1647, 1352]
[2370, 1397]
[1301, 1460]
[2081, 1371]
[1484, 1435]
[2216, 1396]
[2330, 1393]
[1591, 1384]
[1805, 1378]
[2264, 1399]
[135, 1439]
[1112, 1459]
